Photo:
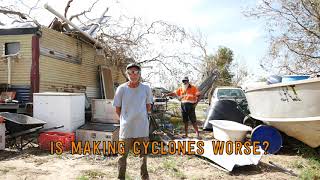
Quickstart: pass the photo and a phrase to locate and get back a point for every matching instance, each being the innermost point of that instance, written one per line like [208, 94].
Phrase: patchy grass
[92, 174]
[177, 122]
[201, 116]
[309, 174]
[200, 109]
[41, 161]
[82, 178]
[175, 109]
[171, 167]
[310, 169]
[168, 164]
[7, 169]
[128, 177]
[4, 171]
[298, 164]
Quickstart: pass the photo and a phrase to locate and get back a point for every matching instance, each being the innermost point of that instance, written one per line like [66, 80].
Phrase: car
[228, 93]
[227, 103]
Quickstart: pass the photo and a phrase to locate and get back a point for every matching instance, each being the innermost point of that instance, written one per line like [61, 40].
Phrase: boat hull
[292, 107]
[306, 130]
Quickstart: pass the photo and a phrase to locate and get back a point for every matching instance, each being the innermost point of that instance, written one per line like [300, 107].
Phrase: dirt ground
[33, 163]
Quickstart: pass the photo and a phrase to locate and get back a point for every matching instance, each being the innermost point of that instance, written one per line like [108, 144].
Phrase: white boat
[292, 107]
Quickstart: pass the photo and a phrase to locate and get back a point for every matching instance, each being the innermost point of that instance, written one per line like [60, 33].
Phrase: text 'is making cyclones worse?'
[160, 148]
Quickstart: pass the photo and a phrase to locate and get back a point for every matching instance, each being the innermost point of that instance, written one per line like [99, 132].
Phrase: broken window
[11, 48]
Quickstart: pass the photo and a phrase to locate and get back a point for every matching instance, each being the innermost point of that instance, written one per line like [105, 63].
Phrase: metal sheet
[21, 119]
[103, 111]
[100, 127]
[9, 106]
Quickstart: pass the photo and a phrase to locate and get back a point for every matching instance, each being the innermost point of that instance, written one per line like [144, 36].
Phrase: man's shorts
[188, 112]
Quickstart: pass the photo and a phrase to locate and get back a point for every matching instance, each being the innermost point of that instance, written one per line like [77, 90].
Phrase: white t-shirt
[134, 121]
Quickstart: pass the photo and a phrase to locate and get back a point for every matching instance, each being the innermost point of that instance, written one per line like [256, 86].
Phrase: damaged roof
[19, 31]
[34, 30]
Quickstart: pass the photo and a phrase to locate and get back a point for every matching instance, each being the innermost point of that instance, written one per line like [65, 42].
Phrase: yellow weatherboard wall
[57, 74]
[20, 69]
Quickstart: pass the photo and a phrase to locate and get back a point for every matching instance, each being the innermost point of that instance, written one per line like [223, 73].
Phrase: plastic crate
[46, 138]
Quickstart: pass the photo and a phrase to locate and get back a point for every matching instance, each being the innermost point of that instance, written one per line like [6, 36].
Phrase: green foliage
[220, 61]
[172, 168]
[310, 170]
[91, 174]
[224, 58]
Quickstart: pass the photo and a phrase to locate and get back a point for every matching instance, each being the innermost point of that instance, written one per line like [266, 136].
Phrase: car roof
[227, 87]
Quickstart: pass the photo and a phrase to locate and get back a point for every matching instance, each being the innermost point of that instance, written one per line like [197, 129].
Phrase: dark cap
[185, 79]
[133, 65]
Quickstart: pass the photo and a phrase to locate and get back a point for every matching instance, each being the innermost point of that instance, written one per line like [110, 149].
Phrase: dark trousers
[188, 112]
[122, 162]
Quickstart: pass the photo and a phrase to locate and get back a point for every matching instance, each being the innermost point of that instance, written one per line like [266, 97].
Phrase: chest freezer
[60, 108]
[98, 132]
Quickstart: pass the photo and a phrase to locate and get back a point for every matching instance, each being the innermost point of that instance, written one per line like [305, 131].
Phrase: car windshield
[230, 93]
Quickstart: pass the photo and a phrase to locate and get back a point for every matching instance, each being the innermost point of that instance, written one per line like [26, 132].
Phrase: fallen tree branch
[83, 12]
[67, 8]
[34, 7]
[21, 15]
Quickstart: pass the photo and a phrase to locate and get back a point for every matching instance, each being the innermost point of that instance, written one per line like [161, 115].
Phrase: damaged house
[40, 59]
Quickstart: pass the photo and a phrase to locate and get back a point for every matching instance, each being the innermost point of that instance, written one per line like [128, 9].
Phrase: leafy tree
[224, 58]
[294, 29]
[220, 61]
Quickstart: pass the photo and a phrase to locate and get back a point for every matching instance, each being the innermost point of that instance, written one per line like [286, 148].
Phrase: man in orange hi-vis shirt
[189, 96]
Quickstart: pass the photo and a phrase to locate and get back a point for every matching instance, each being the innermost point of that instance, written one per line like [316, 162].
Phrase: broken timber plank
[107, 82]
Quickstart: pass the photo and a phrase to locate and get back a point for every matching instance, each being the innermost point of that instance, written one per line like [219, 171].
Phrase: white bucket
[224, 130]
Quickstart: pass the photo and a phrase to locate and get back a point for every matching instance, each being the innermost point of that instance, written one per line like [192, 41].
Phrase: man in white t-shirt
[133, 101]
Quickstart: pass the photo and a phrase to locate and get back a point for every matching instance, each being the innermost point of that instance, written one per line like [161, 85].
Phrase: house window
[11, 48]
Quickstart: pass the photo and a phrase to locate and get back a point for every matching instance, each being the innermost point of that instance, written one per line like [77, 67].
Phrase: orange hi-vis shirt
[189, 95]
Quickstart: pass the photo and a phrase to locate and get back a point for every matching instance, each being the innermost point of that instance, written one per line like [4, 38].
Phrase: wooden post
[35, 76]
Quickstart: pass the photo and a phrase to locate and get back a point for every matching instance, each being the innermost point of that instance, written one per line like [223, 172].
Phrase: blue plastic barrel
[264, 133]
[294, 78]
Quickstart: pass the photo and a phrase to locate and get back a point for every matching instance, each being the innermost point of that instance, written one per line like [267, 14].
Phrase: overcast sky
[221, 21]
